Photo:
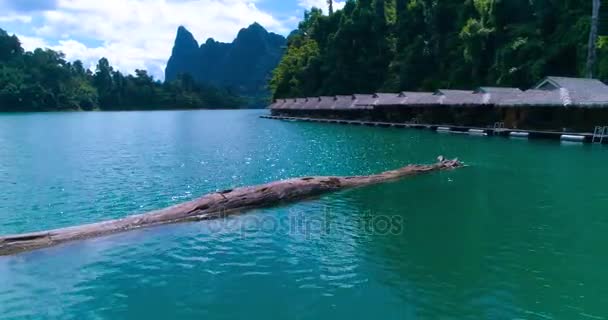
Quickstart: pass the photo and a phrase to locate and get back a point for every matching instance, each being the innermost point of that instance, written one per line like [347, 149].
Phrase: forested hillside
[392, 45]
[43, 80]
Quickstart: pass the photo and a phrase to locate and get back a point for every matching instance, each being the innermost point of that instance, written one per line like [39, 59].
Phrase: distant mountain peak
[256, 26]
[184, 40]
[253, 30]
[243, 65]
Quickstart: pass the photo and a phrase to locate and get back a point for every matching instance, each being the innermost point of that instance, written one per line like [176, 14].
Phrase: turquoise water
[520, 234]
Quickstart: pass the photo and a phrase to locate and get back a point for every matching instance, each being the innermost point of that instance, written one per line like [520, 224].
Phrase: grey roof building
[276, 104]
[498, 90]
[537, 98]
[389, 99]
[364, 101]
[310, 103]
[344, 102]
[494, 95]
[297, 103]
[326, 103]
[419, 98]
[287, 104]
[550, 92]
[458, 98]
[563, 92]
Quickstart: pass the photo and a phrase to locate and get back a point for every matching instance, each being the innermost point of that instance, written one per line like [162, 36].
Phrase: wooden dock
[582, 137]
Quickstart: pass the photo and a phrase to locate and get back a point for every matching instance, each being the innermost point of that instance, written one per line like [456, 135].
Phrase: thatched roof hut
[310, 103]
[580, 92]
[419, 98]
[498, 90]
[538, 98]
[287, 103]
[275, 103]
[561, 92]
[344, 102]
[552, 91]
[296, 104]
[364, 101]
[494, 95]
[326, 103]
[581, 85]
[458, 98]
[388, 99]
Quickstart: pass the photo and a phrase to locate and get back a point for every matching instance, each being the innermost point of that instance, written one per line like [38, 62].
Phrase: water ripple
[517, 235]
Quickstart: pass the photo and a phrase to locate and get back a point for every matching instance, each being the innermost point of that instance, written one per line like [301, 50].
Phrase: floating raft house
[556, 104]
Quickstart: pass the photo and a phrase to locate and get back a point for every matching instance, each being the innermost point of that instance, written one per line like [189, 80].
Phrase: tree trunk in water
[592, 47]
[215, 205]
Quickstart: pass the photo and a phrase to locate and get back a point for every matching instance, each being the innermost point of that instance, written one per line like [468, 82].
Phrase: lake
[519, 234]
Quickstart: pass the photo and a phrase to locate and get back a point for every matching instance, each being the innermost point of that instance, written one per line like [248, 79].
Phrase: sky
[139, 34]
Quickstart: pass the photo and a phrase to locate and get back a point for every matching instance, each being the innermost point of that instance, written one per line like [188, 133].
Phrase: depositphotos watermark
[311, 223]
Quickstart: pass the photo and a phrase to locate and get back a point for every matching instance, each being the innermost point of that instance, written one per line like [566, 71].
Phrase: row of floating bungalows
[555, 104]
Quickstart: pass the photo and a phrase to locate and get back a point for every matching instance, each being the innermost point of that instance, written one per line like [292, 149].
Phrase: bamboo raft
[215, 205]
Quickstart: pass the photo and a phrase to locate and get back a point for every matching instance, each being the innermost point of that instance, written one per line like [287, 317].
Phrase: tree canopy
[395, 45]
[43, 80]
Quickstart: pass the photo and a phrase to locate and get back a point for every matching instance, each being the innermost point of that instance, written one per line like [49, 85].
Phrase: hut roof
[388, 99]
[494, 95]
[344, 102]
[576, 91]
[364, 101]
[297, 103]
[287, 104]
[419, 98]
[274, 104]
[458, 97]
[574, 84]
[311, 103]
[326, 103]
[539, 98]
[498, 90]
[552, 91]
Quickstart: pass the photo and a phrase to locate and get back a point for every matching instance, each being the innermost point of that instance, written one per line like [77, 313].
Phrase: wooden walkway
[582, 137]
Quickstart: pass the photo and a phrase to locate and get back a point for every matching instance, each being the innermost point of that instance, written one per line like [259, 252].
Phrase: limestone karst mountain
[244, 66]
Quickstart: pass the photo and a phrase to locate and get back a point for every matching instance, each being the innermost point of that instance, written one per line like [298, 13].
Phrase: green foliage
[392, 45]
[10, 46]
[43, 80]
[301, 53]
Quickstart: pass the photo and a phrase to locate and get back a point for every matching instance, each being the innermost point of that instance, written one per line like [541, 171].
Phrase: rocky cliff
[244, 66]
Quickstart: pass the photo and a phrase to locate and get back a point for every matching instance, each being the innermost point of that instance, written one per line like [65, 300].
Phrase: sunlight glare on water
[519, 234]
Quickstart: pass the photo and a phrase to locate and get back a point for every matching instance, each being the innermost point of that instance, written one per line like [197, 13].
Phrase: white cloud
[16, 18]
[27, 5]
[321, 4]
[124, 58]
[140, 33]
[31, 43]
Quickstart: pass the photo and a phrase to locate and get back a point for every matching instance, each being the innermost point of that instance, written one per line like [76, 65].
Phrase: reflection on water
[518, 234]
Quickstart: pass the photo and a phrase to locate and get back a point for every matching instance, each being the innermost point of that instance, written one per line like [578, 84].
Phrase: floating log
[215, 205]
